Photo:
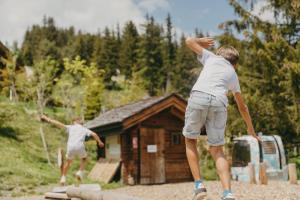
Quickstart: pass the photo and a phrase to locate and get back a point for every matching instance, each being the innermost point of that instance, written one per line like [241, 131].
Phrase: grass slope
[23, 165]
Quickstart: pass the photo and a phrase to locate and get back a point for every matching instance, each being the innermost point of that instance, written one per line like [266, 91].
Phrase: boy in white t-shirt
[75, 147]
[207, 107]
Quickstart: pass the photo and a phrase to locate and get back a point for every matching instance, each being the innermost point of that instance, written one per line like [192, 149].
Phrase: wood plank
[292, 173]
[152, 164]
[172, 101]
[160, 173]
[53, 195]
[104, 170]
[145, 171]
[87, 193]
[178, 113]
[263, 174]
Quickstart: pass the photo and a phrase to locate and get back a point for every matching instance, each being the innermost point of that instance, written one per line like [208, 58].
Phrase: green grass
[23, 166]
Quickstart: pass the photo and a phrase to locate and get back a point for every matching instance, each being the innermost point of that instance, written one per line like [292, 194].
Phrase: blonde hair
[229, 53]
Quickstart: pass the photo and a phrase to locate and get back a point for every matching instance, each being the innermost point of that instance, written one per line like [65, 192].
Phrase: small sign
[151, 148]
[134, 142]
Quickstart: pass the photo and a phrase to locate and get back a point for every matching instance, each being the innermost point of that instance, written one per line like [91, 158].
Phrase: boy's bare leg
[66, 167]
[79, 174]
[222, 165]
[65, 171]
[192, 156]
[82, 164]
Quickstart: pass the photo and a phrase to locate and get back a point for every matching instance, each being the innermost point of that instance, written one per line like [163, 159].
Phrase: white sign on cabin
[151, 148]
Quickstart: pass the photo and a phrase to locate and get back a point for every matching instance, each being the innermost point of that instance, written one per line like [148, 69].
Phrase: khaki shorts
[205, 110]
[73, 152]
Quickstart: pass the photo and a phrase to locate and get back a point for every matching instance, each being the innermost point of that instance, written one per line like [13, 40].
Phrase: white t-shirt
[77, 134]
[217, 76]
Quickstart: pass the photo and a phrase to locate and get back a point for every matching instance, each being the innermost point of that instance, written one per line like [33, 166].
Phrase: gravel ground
[183, 191]
[242, 191]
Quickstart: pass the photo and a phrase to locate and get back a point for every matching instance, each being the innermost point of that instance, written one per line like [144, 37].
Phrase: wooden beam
[263, 174]
[172, 101]
[53, 195]
[76, 192]
[293, 173]
[176, 112]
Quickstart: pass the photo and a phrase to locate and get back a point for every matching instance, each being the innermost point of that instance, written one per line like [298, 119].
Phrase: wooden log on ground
[252, 178]
[263, 179]
[292, 173]
[53, 195]
[84, 194]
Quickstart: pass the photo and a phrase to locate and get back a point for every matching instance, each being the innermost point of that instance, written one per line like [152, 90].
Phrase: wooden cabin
[146, 136]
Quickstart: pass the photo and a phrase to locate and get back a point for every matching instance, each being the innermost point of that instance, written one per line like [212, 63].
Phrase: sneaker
[199, 193]
[228, 196]
[63, 180]
[79, 175]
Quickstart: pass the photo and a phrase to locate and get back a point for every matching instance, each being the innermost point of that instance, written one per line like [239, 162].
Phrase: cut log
[84, 194]
[53, 195]
[263, 178]
[292, 173]
[252, 179]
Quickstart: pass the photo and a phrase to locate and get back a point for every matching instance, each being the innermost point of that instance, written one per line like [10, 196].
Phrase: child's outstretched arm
[198, 44]
[243, 109]
[96, 137]
[52, 121]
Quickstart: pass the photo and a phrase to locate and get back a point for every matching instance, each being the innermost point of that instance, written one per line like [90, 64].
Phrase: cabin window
[176, 138]
[241, 154]
[269, 147]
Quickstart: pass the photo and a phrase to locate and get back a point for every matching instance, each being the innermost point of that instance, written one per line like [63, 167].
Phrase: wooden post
[252, 177]
[263, 179]
[292, 173]
[45, 144]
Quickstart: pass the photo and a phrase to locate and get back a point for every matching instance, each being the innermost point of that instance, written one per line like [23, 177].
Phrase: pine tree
[108, 58]
[150, 59]
[129, 50]
[169, 53]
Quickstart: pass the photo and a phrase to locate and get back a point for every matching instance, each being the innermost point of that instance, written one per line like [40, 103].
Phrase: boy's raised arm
[198, 44]
[96, 137]
[243, 109]
[52, 121]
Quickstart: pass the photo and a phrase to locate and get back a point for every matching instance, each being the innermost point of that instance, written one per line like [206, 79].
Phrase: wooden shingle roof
[130, 114]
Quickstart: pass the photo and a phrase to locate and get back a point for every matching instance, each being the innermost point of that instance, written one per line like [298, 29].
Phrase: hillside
[23, 165]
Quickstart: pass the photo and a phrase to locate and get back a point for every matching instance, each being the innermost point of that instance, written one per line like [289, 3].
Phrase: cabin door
[152, 155]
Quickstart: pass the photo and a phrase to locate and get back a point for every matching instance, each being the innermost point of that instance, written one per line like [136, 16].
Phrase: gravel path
[242, 191]
[183, 191]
